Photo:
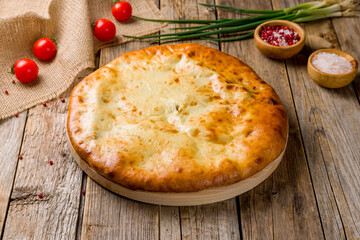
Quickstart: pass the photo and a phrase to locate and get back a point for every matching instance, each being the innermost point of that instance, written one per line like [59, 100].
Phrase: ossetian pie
[176, 118]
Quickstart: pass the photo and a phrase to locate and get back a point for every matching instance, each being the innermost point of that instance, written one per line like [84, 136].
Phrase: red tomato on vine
[44, 49]
[25, 70]
[104, 30]
[122, 11]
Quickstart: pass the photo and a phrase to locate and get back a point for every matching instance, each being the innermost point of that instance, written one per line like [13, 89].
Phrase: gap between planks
[15, 167]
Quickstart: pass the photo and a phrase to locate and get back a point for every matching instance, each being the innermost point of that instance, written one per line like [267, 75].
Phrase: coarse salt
[331, 63]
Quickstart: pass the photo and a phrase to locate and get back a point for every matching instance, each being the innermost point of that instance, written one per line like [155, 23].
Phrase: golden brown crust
[176, 118]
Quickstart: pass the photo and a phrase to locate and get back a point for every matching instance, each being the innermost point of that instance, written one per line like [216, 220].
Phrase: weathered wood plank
[348, 31]
[11, 133]
[212, 221]
[55, 215]
[110, 216]
[328, 120]
[84, 178]
[169, 216]
[170, 223]
[284, 206]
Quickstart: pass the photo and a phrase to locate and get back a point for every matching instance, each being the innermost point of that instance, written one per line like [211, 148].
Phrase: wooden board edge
[206, 196]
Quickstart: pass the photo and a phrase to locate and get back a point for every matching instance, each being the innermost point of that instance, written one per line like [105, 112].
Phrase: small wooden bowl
[275, 51]
[332, 80]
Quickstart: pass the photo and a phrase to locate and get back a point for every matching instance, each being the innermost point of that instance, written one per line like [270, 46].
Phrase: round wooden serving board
[206, 196]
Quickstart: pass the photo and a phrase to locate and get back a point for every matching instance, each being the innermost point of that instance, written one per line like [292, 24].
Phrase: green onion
[241, 9]
[306, 5]
[326, 10]
[309, 11]
[220, 31]
[346, 13]
[234, 22]
[181, 28]
[242, 37]
[179, 21]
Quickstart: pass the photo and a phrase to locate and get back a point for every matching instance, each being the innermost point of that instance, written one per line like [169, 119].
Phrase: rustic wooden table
[314, 193]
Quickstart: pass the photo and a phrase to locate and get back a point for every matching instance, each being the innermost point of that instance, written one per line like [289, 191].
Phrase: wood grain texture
[11, 133]
[328, 121]
[110, 216]
[55, 215]
[347, 33]
[212, 221]
[170, 223]
[284, 206]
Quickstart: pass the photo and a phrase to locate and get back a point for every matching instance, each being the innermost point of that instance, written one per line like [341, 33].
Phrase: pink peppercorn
[83, 192]
[40, 195]
[63, 99]
[16, 115]
[44, 104]
[6, 92]
[279, 36]
[51, 162]
[20, 157]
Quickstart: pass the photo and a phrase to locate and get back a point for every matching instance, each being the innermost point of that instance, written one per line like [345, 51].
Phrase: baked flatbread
[176, 118]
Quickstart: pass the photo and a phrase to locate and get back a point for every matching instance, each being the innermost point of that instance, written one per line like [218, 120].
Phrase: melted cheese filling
[169, 106]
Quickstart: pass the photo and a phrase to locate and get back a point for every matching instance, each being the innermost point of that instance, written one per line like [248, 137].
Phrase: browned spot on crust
[111, 174]
[229, 81]
[273, 101]
[245, 89]
[191, 54]
[248, 133]
[231, 86]
[177, 80]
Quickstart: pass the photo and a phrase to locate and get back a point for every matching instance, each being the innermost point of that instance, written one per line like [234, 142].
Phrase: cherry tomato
[122, 11]
[44, 49]
[25, 70]
[104, 30]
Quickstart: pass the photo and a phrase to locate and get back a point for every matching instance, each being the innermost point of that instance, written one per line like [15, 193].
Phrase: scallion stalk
[244, 27]
[315, 4]
[241, 10]
[326, 10]
[309, 11]
[242, 37]
[234, 22]
[182, 28]
[179, 21]
[317, 17]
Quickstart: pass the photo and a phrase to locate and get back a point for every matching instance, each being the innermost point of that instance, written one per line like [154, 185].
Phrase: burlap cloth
[22, 22]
